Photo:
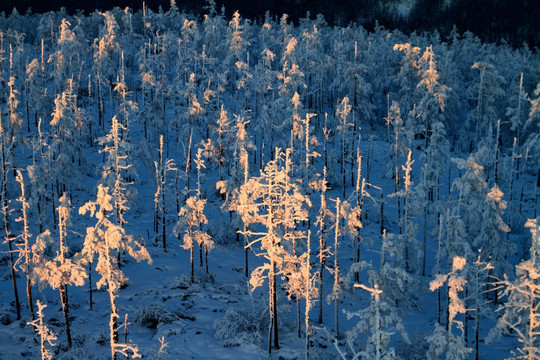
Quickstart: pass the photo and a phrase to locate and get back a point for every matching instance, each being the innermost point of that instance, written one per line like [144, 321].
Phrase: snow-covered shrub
[237, 328]
[182, 282]
[152, 315]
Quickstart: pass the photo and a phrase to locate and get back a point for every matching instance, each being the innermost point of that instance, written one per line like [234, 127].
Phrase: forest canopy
[245, 186]
[515, 22]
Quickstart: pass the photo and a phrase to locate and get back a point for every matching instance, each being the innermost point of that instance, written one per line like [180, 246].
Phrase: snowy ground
[184, 316]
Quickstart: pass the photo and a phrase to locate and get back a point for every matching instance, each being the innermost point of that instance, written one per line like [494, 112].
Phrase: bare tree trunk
[65, 311]
[336, 271]
[29, 296]
[246, 268]
[9, 239]
[26, 236]
[113, 324]
[90, 293]
[206, 260]
[476, 334]
[13, 277]
[273, 330]
[191, 259]
[466, 318]
[322, 244]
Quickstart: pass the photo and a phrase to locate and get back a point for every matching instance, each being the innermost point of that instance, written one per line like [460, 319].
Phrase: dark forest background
[513, 21]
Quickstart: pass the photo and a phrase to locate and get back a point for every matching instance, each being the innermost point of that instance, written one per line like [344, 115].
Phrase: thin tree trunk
[466, 318]
[321, 268]
[299, 327]
[90, 293]
[322, 244]
[191, 261]
[477, 334]
[336, 271]
[274, 310]
[29, 296]
[13, 277]
[246, 268]
[424, 243]
[113, 325]
[273, 340]
[65, 311]
[206, 260]
[382, 230]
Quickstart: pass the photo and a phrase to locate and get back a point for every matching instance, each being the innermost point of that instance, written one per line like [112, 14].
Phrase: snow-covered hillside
[215, 188]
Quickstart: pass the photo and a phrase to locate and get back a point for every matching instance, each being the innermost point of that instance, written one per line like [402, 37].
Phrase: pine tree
[107, 51]
[522, 300]
[445, 341]
[477, 298]
[407, 78]
[46, 335]
[117, 169]
[162, 169]
[68, 57]
[59, 271]
[435, 157]
[239, 175]
[191, 218]
[487, 91]
[432, 102]
[323, 218]
[491, 239]
[106, 239]
[337, 288]
[301, 283]
[205, 244]
[5, 157]
[69, 128]
[275, 202]
[377, 322]
[24, 253]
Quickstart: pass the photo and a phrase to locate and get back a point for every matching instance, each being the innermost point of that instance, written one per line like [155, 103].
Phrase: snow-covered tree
[37, 98]
[407, 78]
[378, 322]
[15, 118]
[162, 169]
[344, 128]
[302, 283]
[477, 302]
[275, 202]
[5, 158]
[432, 102]
[239, 175]
[472, 189]
[191, 218]
[446, 342]
[106, 239]
[520, 311]
[117, 169]
[323, 220]
[338, 286]
[492, 239]
[107, 51]
[69, 129]
[68, 58]
[24, 251]
[58, 271]
[435, 158]
[486, 92]
[396, 140]
[46, 335]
